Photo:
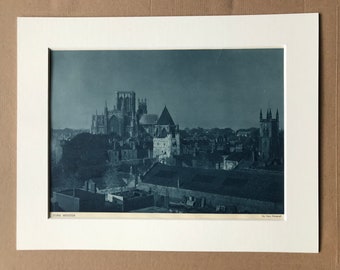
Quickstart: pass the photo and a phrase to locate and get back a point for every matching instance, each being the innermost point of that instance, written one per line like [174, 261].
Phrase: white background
[297, 33]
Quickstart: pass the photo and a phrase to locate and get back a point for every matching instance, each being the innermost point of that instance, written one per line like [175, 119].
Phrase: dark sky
[205, 88]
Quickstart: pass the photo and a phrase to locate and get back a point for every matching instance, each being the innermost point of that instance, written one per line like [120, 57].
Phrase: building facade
[121, 120]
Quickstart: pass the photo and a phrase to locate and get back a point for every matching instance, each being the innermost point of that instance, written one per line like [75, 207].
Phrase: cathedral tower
[121, 120]
[142, 108]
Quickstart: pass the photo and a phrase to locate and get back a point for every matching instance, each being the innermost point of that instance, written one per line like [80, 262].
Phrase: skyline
[201, 88]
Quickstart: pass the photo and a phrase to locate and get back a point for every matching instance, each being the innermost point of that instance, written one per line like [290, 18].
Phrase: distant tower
[141, 108]
[165, 124]
[126, 102]
[126, 107]
[166, 142]
[121, 120]
[269, 136]
[98, 124]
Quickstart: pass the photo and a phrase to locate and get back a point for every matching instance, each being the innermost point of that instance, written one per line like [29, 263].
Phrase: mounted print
[199, 131]
[167, 131]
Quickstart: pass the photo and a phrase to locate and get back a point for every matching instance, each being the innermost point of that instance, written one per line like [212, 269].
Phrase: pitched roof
[165, 118]
[148, 119]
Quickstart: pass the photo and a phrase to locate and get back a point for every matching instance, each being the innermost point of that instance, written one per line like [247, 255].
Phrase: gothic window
[113, 124]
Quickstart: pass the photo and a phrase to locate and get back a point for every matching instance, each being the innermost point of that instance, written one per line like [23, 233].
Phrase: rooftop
[148, 119]
[80, 193]
[165, 118]
[132, 193]
[251, 184]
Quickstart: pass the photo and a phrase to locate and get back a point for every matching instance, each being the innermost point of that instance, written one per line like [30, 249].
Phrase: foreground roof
[81, 194]
[251, 184]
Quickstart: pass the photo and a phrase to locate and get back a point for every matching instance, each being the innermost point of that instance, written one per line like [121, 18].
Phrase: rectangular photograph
[167, 131]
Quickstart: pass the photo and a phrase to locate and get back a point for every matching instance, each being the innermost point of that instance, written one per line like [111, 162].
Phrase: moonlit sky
[201, 88]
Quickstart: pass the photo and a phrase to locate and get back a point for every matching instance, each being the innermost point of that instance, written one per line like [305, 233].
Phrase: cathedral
[269, 146]
[127, 121]
[122, 119]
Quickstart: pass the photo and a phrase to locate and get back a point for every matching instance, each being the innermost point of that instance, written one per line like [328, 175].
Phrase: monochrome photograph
[167, 131]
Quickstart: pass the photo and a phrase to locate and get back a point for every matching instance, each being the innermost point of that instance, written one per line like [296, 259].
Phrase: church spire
[261, 117]
[277, 114]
